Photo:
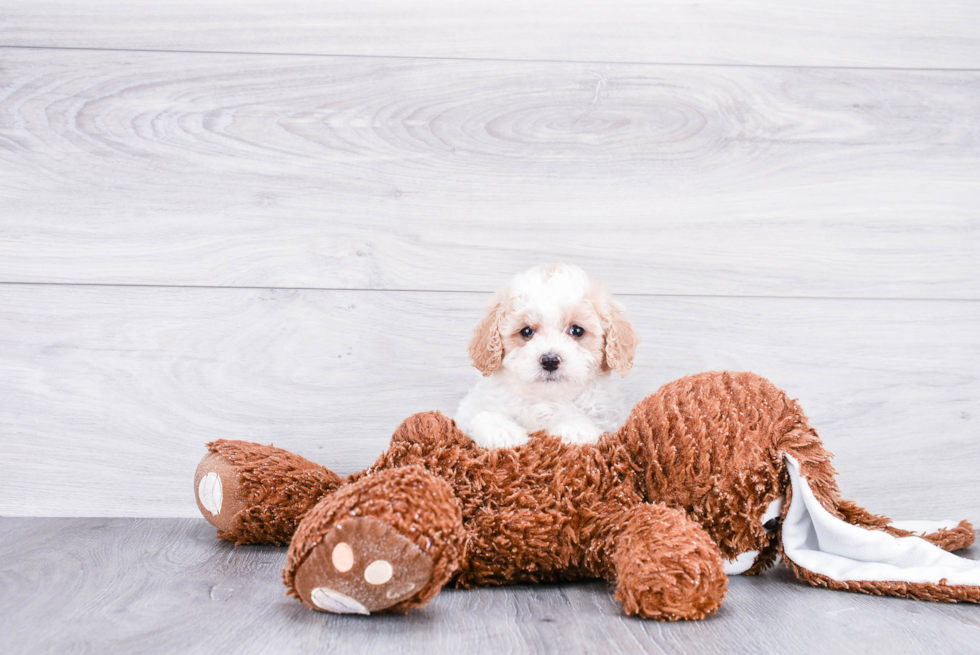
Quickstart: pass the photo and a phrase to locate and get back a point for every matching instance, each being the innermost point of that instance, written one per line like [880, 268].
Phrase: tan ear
[621, 339]
[486, 346]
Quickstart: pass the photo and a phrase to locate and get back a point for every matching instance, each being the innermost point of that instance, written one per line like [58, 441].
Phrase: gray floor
[78, 585]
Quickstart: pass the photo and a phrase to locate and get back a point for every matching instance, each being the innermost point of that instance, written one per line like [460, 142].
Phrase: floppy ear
[621, 339]
[486, 346]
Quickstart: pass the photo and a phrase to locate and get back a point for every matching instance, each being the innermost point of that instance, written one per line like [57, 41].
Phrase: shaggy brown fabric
[709, 444]
[418, 505]
[942, 593]
[550, 511]
[962, 536]
[652, 508]
[665, 566]
[273, 487]
[531, 513]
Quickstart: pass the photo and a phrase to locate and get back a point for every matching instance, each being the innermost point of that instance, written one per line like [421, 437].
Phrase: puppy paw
[577, 433]
[491, 430]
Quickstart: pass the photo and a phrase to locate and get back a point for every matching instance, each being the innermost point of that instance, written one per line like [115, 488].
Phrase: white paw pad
[209, 493]
[400, 590]
[336, 602]
[378, 572]
[343, 557]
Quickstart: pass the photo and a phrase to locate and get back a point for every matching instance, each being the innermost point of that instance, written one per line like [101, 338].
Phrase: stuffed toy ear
[621, 339]
[486, 346]
[826, 551]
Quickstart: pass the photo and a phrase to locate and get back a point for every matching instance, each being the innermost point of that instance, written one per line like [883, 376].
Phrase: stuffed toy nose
[550, 361]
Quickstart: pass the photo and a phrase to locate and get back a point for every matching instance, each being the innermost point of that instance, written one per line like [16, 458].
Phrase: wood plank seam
[480, 291]
[503, 60]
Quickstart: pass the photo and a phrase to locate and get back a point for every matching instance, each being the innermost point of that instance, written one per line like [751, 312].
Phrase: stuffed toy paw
[715, 474]
[389, 541]
[257, 494]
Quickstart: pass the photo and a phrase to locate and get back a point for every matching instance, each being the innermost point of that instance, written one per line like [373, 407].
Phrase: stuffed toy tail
[833, 543]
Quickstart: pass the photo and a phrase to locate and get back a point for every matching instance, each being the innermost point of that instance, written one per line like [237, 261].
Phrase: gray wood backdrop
[279, 222]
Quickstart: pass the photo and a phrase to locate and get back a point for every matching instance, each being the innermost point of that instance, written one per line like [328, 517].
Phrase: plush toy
[714, 474]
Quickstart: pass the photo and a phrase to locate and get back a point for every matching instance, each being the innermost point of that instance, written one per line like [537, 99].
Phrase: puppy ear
[621, 339]
[486, 346]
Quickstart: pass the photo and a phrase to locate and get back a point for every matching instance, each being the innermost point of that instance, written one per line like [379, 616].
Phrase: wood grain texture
[109, 394]
[166, 585]
[870, 33]
[192, 169]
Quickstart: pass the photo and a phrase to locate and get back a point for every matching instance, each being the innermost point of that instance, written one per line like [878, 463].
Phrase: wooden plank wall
[867, 33]
[280, 224]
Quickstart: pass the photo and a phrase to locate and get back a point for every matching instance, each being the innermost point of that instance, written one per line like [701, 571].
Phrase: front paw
[577, 433]
[497, 431]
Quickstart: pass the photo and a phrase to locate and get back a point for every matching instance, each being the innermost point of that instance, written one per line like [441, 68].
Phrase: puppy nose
[550, 361]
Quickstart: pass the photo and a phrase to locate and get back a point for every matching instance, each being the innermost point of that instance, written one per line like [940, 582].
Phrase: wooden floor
[168, 586]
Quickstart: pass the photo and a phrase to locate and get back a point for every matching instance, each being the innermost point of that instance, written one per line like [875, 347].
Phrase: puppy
[546, 348]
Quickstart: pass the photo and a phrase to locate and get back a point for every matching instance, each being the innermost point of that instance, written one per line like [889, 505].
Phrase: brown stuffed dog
[714, 471]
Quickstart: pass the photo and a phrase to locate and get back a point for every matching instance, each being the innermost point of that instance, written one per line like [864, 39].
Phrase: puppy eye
[576, 331]
[527, 333]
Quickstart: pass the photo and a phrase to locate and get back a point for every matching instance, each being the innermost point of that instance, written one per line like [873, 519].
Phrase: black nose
[550, 361]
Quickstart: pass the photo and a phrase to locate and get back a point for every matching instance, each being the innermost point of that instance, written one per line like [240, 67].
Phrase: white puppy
[546, 348]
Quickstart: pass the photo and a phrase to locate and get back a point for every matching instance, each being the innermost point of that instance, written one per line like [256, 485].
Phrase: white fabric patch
[774, 510]
[336, 602]
[209, 492]
[824, 544]
[741, 563]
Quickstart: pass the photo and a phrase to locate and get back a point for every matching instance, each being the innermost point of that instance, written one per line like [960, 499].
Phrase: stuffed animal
[714, 474]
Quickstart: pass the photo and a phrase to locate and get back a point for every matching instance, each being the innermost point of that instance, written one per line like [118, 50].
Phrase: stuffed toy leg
[740, 456]
[713, 468]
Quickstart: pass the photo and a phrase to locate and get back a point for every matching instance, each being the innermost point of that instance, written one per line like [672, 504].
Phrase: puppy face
[553, 330]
